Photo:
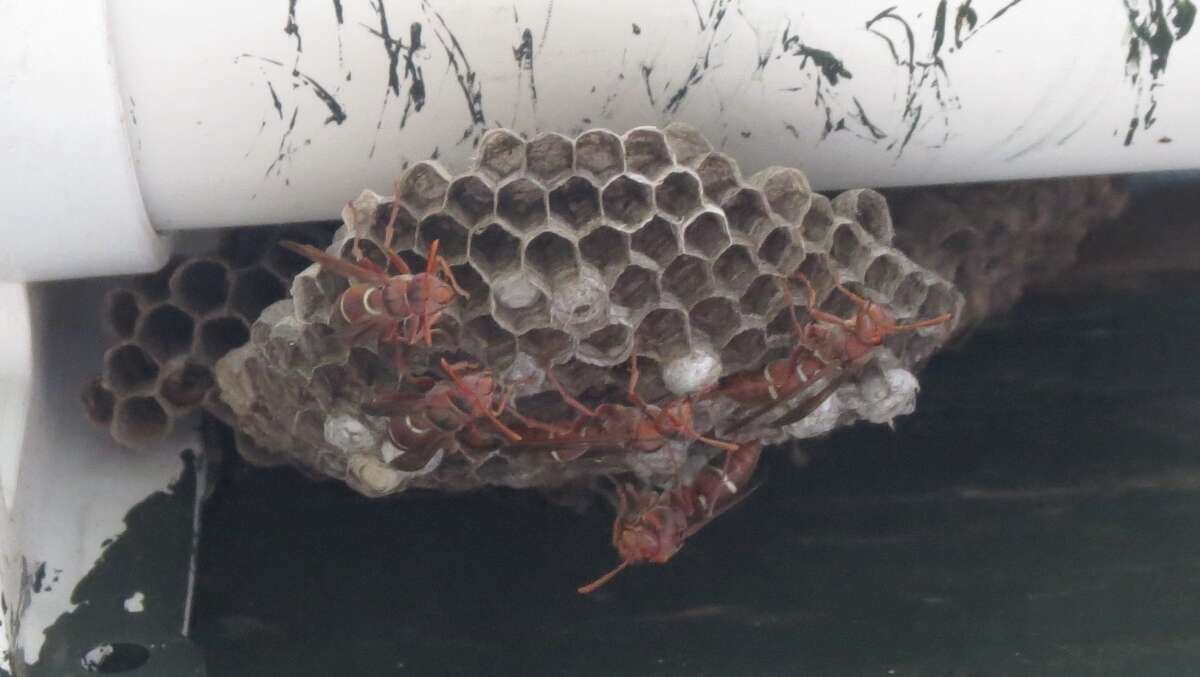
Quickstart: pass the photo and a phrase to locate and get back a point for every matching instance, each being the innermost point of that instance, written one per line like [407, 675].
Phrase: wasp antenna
[594, 585]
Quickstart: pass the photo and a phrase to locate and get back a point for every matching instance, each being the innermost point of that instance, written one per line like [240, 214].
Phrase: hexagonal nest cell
[174, 324]
[578, 255]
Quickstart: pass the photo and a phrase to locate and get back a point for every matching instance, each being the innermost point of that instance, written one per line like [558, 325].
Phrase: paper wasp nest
[995, 240]
[577, 253]
[172, 326]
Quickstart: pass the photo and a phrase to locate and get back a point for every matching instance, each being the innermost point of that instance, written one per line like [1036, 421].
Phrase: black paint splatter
[824, 71]
[395, 49]
[1156, 26]
[133, 111]
[866, 122]
[637, 30]
[293, 29]
[468, 79]
[39, 577]
[546, 26]
[275, 100]
[716, 14]
[285, 150]
[336, 112]
[647, 69]
[337, 11]
[792, 129]
[523, 55]
[927, 77]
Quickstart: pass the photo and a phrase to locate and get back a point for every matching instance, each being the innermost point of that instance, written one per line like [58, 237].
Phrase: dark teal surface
[1037, 516]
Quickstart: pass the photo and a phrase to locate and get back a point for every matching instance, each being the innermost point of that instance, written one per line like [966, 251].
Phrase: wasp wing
[334, 264]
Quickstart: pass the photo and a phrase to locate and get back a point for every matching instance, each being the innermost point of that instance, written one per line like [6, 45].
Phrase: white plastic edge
[69, 195]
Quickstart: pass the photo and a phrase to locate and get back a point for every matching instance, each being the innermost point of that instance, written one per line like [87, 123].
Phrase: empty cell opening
[846, 247]
[253, 291]
[761, 295]
[166, 331]
[522, 203]
[501, 153]
[717, 317]
[635, 288]
[423, 187]
[662, 328]
[139, 421]
[494, 250]
[201, 286]
[496, 345]
[578, 377]
[471, 282]
[552, 256]
[687, 279]
[883, 272]
[776, 247]
[220, 335]
[607, 344]
[450, 235]
[244, 247]
[369, 250]
[549, 156]
[122, 312]
[873, 215]
[938, 300]
[286, 263]
[706, 235]
[651, 385]
[404, 227]
[471, 198]
[98, 402]
[187, 385]
[687, 142]
[646, 152]
[735, 269]
[606, 249]
[155, 287]
[657, 241]
[576, 202]
[718, 175]
[545, 344]
[746, 212]
[789, 195]
[816, 268]
[819, 219]
[744, 351]
[309, 425]
[599, 152]
[678, 194]
[627, 201]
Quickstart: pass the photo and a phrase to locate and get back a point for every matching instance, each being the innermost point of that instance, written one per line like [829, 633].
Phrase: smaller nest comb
[173, 326]
[579, 253]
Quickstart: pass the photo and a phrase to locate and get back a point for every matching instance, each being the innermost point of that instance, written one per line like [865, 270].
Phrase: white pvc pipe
[69, 199]
[241, 113]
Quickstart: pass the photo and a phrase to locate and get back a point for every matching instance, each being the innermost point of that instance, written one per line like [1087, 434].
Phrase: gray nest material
[577, 253]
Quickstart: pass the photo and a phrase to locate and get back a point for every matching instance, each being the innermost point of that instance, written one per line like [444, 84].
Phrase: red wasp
[829, 346]
[450, 407]
[652, 526]
[399, 308]
[643, 427]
